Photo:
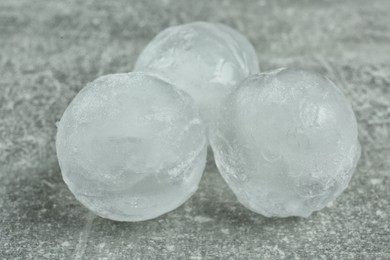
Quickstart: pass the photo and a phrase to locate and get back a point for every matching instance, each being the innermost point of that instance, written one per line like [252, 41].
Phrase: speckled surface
[50, 49]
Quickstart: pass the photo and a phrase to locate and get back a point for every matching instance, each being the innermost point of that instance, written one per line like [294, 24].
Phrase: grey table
[49, 50]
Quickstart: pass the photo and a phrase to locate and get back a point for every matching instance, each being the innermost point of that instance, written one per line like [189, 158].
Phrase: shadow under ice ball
[286, 143]
[206, 60]
[131, 147]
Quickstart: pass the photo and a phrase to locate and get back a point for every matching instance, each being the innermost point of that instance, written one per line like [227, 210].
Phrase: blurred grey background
[50, 49]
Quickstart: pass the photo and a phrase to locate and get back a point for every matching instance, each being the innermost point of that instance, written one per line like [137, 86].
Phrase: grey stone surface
[50, 49]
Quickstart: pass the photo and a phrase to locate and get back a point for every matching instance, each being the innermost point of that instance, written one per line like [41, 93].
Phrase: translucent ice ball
[131, 147]
[206, 60]
[286, 143]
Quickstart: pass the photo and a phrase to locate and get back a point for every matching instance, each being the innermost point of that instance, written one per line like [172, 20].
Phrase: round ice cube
[206, 60]
[131, 147]
[286, 142]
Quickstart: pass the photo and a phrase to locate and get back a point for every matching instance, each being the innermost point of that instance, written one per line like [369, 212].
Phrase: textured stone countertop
[50, 49]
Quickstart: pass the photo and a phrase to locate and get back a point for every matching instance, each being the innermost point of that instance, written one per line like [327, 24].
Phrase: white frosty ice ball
[286, 142]
[131, 147]
[206, 60]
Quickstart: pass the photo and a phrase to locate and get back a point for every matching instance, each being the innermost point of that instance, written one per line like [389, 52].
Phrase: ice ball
[131, 147]
[207, 60]
[286, 143]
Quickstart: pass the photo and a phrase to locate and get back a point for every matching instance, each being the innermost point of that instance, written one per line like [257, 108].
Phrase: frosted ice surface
[286, 142]
[206, 60]
[131, 147]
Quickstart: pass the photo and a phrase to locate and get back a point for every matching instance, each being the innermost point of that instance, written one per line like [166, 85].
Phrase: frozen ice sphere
[286, 142]
[131, 147]
[206, 60]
